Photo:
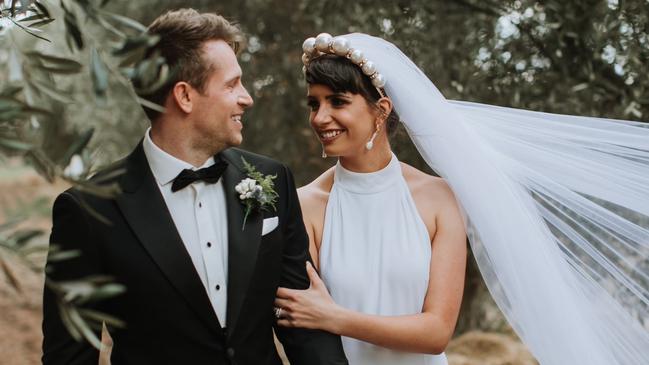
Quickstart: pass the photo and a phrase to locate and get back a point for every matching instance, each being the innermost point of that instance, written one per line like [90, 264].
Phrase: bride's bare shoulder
[317, 191]
[426, 187]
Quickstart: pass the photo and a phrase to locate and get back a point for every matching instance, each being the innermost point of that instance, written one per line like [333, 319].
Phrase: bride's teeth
[330, 134]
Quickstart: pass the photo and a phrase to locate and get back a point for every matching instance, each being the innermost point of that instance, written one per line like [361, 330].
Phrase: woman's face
[343, 122]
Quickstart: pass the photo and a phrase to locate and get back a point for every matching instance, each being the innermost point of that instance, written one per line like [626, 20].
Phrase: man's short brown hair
[182, 34]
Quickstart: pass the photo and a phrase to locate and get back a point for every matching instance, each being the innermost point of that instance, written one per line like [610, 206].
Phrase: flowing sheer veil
[556, 208]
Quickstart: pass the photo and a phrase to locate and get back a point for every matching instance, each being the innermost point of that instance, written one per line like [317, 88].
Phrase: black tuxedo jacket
[169, 318]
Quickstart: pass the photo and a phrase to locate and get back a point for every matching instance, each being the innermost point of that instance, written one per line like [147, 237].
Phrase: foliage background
[585, 57]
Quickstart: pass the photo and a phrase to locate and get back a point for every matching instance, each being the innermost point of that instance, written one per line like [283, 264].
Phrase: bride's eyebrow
[338, 95]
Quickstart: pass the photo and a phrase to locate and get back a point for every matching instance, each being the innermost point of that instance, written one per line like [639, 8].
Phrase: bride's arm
[426, 332]
[307, 202]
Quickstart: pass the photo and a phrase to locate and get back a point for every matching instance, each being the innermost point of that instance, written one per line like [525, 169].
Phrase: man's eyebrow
[233, 78]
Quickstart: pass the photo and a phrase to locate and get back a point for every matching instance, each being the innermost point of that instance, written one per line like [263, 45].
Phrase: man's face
[217, 112]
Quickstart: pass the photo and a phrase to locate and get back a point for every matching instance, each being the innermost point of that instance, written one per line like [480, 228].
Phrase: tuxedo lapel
[243, 244]
[146, 212]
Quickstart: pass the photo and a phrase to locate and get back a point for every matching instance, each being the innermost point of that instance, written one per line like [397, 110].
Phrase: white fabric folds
[375, 255]
[556, 208]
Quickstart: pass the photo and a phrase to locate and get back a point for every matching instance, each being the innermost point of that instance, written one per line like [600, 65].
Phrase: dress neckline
[368, 182]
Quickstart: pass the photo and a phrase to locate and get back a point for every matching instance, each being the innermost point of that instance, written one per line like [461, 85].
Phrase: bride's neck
[368, 161]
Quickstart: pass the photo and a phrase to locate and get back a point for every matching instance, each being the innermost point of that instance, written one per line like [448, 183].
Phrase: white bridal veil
[556, 207]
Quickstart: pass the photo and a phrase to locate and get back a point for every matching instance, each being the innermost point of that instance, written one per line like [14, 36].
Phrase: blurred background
[66, 107]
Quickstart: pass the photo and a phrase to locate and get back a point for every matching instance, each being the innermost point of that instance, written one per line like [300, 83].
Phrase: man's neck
[180, 146]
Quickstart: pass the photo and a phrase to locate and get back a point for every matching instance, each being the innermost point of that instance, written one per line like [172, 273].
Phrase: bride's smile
[342, 121]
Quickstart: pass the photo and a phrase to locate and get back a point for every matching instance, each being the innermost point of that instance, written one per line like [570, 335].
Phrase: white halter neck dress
[375, 255]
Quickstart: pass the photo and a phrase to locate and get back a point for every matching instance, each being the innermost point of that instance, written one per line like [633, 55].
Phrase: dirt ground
[20, 311]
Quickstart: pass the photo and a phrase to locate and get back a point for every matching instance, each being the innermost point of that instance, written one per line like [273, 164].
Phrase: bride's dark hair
[341, 75]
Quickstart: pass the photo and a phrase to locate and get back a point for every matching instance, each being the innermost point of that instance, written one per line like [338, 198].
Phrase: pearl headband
[324, 43]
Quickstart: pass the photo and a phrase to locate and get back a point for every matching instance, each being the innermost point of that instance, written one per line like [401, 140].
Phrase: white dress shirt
[199, 213]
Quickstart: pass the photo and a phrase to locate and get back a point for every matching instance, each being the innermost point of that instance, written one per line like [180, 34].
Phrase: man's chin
[237, 141]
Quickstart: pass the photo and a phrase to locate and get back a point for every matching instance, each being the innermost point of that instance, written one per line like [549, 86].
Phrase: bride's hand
[311, 308]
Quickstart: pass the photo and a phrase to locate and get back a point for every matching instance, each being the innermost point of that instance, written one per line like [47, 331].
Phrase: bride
[553, 206]
[388, 239]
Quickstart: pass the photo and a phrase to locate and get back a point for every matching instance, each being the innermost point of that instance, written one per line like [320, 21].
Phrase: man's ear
[182, 94]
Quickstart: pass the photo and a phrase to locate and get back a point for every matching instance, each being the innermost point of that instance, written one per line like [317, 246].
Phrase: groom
[200, 283]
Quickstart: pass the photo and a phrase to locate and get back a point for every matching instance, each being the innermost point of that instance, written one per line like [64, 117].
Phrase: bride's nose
[321, 116]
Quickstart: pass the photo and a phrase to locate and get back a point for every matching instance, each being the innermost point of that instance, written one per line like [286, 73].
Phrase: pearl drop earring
[370, 143]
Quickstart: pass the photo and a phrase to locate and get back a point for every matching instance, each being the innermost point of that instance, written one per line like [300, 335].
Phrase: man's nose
[245, 99]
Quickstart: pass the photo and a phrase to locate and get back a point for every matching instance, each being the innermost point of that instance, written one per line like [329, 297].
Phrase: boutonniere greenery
[257, 191]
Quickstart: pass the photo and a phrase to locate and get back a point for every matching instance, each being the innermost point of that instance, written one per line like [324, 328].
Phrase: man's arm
[302, 346]
[70, 231]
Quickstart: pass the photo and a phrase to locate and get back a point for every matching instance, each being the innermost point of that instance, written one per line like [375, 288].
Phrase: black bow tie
[209, 175]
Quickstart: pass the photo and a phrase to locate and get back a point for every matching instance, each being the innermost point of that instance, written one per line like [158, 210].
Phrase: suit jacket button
[230, 352]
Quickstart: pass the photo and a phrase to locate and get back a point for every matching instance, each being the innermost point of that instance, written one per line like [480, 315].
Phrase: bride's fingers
[313, 275]
[285, 323]
[282, 303]
[286, 292]
[289, 322]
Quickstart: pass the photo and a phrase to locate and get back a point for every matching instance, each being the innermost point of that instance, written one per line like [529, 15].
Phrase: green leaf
[147, 70]
[101, 317]
[110, 28]
[78, 145]
[11, 108]
[103, 292]
[131, 23]
[90, 209]
[10, 91]
[28, 250]
[33, 17]
[42, 22]
[42, 8]
[63, 255]
[49, 90]
[22, 237]
[99, 74]
[12, 222]
[82, 326]
[9, 103]
[11, 277]
[54, 63]
[41, 164]
[15, 145]
[64, 313]
[28, 30]
[162, 79]
[73, 33]
[109, 176]
[59, 70]
[136, 43]
[151, 105]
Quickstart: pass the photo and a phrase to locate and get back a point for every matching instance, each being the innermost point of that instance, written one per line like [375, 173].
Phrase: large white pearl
[322, 42]
[356, 56]
[309, 45]
[378, 81]
[369, 68]
[305, 58]
[340, 46]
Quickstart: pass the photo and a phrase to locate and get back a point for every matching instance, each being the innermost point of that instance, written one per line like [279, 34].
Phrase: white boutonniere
[256, 191]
